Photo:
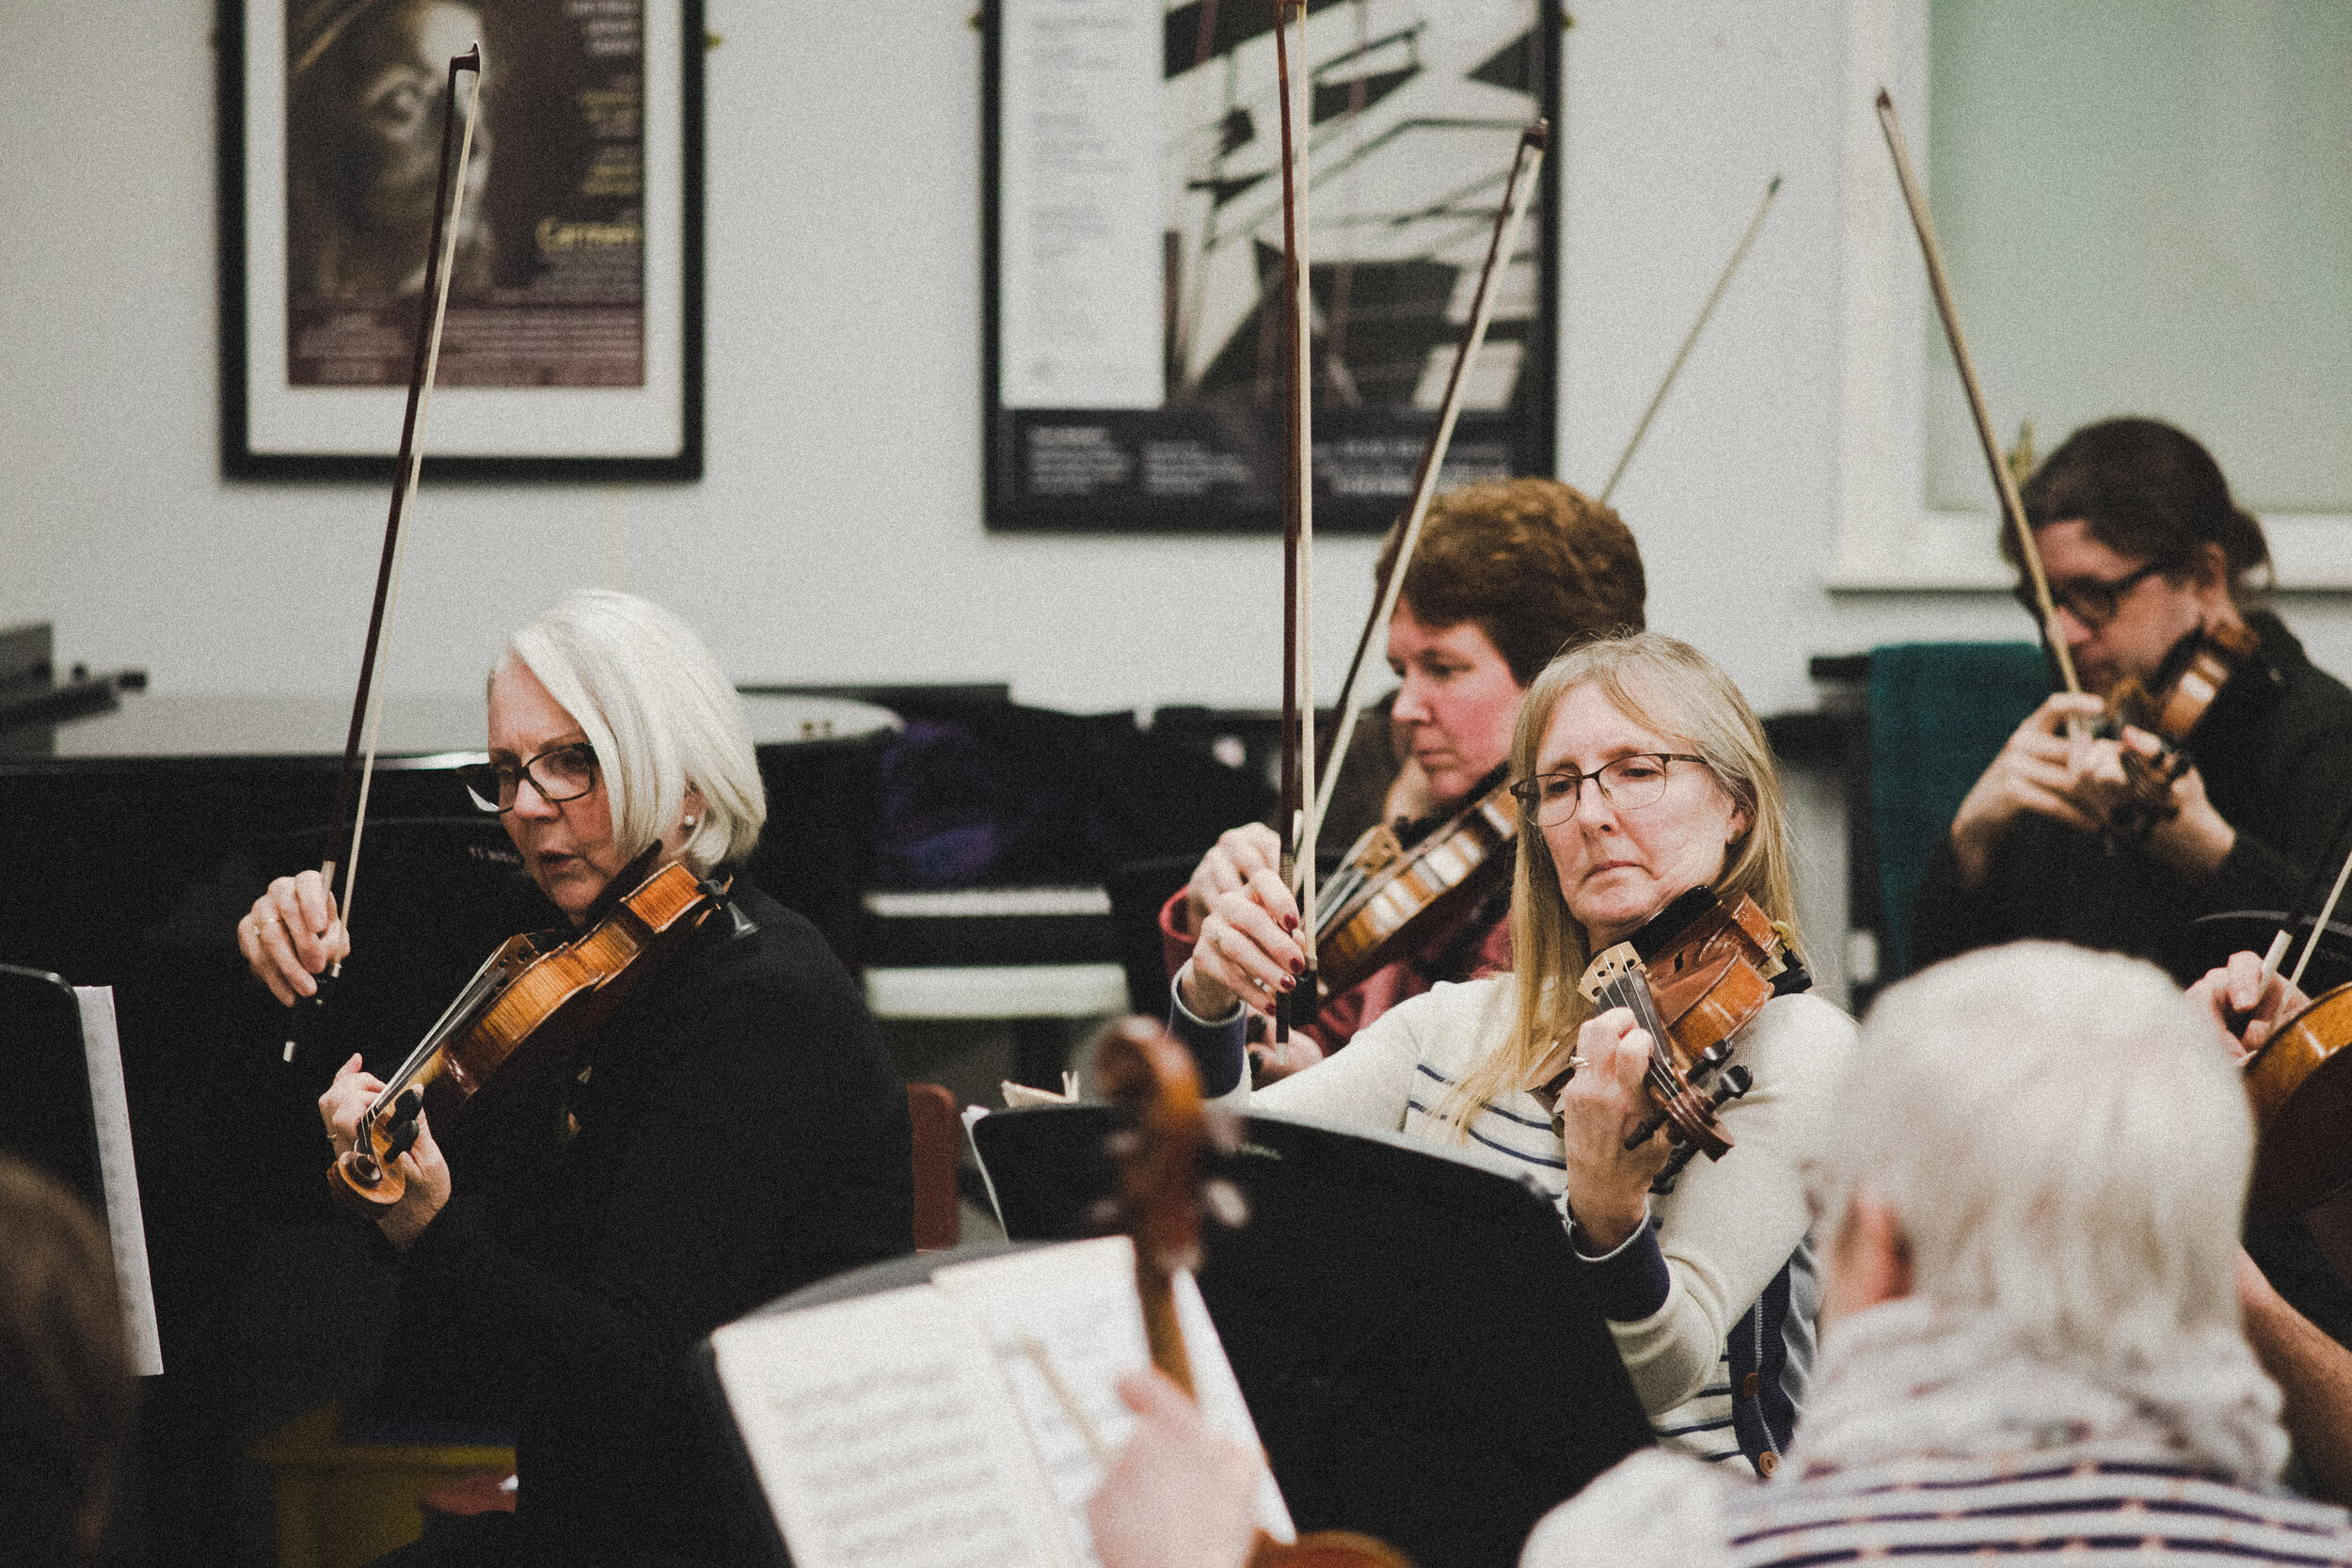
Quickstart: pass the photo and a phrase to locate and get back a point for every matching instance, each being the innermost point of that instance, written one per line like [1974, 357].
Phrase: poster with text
[1135, 347]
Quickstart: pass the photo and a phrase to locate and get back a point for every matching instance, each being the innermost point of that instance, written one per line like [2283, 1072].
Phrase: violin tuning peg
[403, 1139]
[1225, 1204]
[1123, 1145]
[404, 1108]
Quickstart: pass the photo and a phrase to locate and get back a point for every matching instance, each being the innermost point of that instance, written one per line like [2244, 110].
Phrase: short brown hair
[1535, 564]
[66, 1394]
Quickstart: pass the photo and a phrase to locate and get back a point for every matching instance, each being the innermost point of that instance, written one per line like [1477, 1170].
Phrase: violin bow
[1518, 190]
[2337, 846]
[367, 707]
[1299, 708]
[1690, 340]
[2004, 483]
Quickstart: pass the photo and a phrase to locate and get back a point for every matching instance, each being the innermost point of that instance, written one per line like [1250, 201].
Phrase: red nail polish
[1298, 966]
[1290, 923]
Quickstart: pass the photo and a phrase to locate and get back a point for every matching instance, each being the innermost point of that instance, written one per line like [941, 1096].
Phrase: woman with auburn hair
[1506, 574]
[1641, 774]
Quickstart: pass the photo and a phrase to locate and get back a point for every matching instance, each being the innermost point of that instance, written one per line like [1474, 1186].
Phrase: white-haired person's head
[2043, 1153]
[661, 716]
[2065, 1143]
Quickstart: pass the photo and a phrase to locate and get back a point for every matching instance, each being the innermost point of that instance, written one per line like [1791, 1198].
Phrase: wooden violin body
[1386, 891]
[531, 1001]
[1693, 977]
[2193, 674]
[2301, 1084]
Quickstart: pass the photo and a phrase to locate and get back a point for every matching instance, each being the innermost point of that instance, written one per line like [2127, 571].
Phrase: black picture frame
[1374, 494]
[649, 432]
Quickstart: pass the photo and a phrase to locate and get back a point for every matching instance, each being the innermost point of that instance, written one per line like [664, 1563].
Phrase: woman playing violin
[1505, 575]
[1640, 774]
[733, 1131]
[2144, 549]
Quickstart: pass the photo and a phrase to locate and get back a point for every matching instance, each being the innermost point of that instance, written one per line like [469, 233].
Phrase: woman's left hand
[1603, 1105]
[2195, 839]
[426, 1173]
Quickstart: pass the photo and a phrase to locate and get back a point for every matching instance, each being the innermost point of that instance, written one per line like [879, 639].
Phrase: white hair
[2066, 1145]
[660, 715]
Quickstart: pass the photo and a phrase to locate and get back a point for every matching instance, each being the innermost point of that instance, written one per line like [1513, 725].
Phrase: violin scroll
[1692, 978]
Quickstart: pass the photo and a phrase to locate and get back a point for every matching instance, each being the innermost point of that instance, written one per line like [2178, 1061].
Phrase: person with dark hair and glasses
[2144, 549]
[732, 1131]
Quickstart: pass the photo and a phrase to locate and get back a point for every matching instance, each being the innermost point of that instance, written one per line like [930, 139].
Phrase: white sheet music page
[1064, 1322]
[883, 1435]
[118, 1172]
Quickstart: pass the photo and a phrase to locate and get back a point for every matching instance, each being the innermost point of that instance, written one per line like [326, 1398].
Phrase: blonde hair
[1667, 686]
[661, 717]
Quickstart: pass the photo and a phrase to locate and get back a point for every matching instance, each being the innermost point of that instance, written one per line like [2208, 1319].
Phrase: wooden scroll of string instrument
[367, 705]
[1152, 1079]
[1692, 978]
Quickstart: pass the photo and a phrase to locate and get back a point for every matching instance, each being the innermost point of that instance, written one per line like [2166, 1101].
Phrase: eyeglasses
[1627, 783]
[2087, 599]
[560, 773]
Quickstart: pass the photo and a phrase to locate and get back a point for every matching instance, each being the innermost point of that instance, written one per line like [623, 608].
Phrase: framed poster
[573, 346]
[1133, 256]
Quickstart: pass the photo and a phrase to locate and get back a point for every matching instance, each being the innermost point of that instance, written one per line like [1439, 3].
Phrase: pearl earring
[689, 822]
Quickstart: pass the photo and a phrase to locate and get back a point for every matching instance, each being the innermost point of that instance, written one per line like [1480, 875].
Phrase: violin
[1694, 976]
[1150, 1078]
[2301, 1084]
[531, 1003]
[1388, 886]
[2192, 676]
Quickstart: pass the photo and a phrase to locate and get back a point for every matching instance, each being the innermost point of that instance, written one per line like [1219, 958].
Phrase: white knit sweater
[1727, 1228]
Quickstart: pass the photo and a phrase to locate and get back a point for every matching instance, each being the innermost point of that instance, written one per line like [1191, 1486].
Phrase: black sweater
[741, 1133]
[2275, 751]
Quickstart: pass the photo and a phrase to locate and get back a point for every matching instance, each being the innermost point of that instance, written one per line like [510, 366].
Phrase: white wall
[837, 537]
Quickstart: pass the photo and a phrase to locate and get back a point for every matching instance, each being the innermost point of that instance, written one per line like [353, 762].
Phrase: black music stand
[1417, 1347]
[46, 1115]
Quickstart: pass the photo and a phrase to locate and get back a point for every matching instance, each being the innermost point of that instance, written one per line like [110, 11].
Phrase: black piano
[132, 838]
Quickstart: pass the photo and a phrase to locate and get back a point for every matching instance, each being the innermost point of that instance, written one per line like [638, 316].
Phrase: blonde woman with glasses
[1641, 774]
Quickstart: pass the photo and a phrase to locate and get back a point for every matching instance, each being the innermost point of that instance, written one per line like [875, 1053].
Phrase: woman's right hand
[1238, 854]
[1247, 948]
[2041, 769]
[291, 934]
[2244, 1008]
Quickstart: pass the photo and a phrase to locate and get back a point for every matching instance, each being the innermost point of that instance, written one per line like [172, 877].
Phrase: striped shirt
[1711, 1304]
[2086, 1503]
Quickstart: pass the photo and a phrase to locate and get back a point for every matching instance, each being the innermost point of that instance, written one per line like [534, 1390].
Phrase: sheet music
[118, 1173]
[1063, 1324]
[878, 1429]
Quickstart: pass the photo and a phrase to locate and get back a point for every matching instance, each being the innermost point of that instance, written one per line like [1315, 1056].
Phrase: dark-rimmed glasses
[560, 773]
[1629, 784]
[2088, 599]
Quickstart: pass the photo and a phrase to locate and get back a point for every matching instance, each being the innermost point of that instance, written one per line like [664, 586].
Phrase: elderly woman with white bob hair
[732, 1132]
[1642, 775]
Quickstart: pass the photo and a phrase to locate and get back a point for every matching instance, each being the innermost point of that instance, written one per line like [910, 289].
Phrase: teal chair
[1939, 714]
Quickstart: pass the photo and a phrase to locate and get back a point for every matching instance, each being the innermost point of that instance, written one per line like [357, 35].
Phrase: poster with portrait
[572, 343]
[1134, 255]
